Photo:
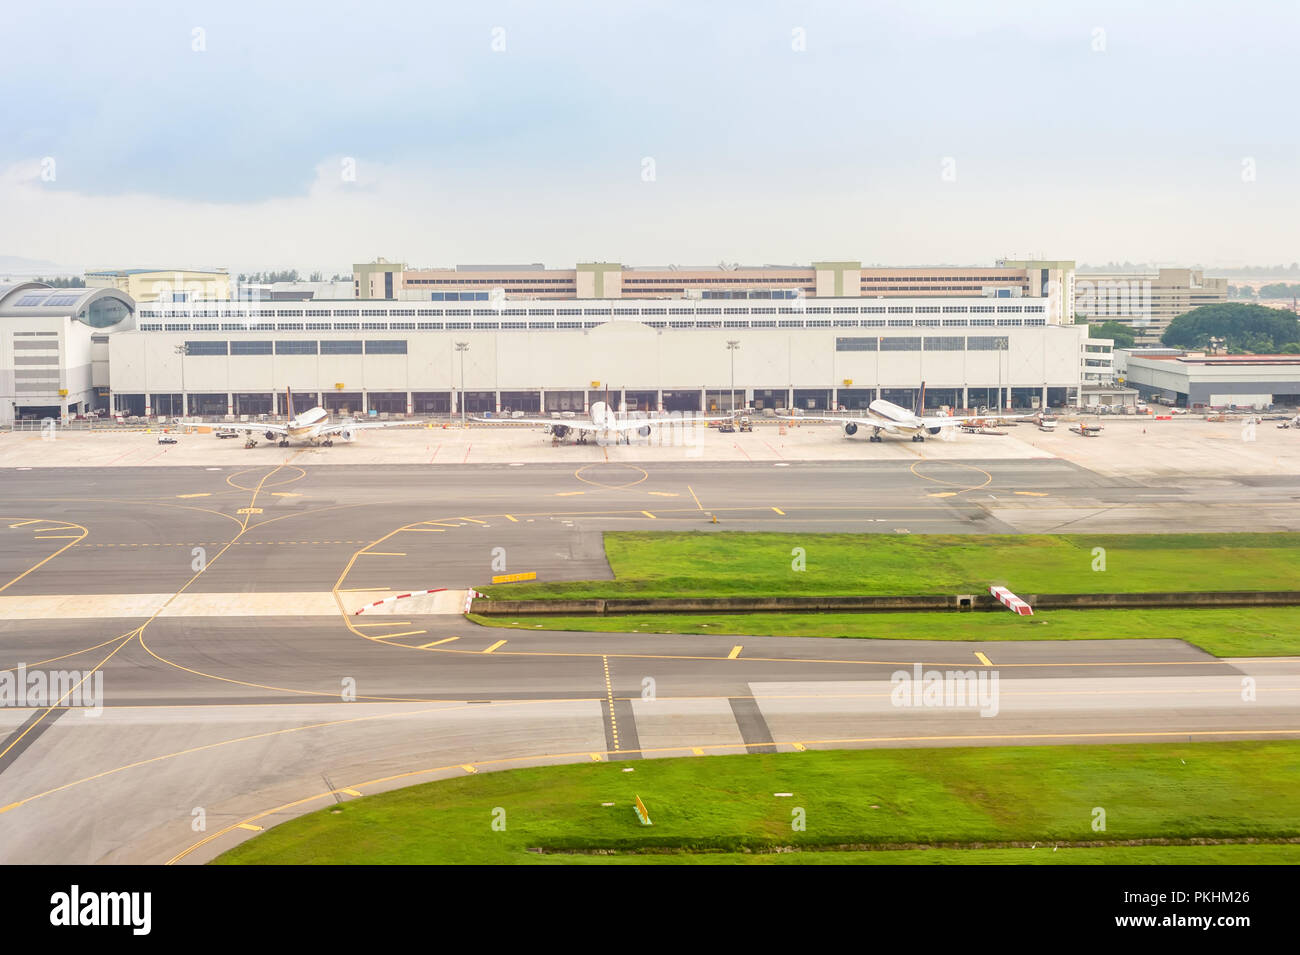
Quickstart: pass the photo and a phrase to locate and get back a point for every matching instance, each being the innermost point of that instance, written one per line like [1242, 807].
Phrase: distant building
[292, 291]
[164, 285]
[1144, 301]
[1214, 381]
[611, 280]
[54, 348]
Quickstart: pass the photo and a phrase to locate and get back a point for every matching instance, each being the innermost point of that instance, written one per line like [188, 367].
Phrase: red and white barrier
[388, 600]
[1011, 601]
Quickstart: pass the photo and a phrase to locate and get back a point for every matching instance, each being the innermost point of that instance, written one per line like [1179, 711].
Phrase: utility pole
[462, 347]
[183, 350]
[732, 345]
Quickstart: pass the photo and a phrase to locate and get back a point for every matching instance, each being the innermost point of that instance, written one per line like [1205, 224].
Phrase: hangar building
[404, 357]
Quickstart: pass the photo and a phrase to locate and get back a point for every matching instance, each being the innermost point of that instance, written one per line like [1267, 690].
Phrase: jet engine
[850, 428]
[347, 434]
[934, 430]
[271, 436]
[644, 431]
[560, 430]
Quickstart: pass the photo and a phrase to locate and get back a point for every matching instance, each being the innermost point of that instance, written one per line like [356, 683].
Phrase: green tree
[1243, 328]
[1122, 334]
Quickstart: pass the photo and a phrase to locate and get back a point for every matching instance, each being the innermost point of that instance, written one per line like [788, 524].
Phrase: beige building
[1144, 301]
[611, 280]
[164, 285]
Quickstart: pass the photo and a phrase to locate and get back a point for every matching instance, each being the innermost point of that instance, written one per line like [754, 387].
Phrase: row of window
[294, 347]
[928, 343]
[547, 326]
[601, 311]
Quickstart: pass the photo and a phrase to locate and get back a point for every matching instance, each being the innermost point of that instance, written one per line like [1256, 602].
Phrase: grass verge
[718, 809]
[703, 564]
[1222, 631]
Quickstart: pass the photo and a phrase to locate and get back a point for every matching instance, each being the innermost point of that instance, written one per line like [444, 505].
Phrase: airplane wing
[941, 421]
[366, 426]
[248, 428]
[632, 424]
[884, 424]
[574, 424]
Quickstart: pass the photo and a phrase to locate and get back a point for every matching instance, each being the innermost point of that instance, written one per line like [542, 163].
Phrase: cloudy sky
[315, 135]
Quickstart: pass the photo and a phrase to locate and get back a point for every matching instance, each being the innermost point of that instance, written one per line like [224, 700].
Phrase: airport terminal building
[98, 348]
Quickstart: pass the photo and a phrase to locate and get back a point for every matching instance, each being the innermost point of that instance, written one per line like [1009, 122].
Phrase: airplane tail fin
[920, 401]
[288, 402]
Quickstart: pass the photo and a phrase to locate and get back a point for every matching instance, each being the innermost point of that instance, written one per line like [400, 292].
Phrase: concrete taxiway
[239, 687]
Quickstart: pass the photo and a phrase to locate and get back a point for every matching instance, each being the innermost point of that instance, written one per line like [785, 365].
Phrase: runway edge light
[643, 813]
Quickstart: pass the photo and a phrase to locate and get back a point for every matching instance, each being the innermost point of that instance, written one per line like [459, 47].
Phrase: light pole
[732, 345]
[183, 350]
[1002, 343]
[462, 347]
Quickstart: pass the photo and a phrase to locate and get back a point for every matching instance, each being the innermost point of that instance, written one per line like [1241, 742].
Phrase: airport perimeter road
[238, 689]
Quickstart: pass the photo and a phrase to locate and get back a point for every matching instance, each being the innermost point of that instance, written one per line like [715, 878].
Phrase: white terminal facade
[400, 357]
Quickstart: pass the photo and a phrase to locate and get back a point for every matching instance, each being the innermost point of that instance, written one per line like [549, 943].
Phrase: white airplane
[602, 420]
[312, 426]
[885, 416]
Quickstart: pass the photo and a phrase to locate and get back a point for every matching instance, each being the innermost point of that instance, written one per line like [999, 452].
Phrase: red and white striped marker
[388, 600]
[1011, 601]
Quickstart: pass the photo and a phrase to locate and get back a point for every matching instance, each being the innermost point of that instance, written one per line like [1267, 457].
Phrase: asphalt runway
[218, 721]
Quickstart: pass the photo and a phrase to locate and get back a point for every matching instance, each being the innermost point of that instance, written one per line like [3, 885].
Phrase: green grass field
[717, 809]
[699, 564]
[1222, 631]
[702, 564]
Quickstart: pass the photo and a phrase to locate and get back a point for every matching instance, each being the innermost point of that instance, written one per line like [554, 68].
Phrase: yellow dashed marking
[389, 623]
[664, 493]
[350, 792]
[697, 751]
[203, 494]
[597, 757]
[568, 493]
[24, 524]
[779, 511]
[649, 515]
[439, 642]
[473, 520]
[249, 826]
[469, 767]
[799, 746]
[609, 699]
[735, 651]
[983, 659]
[498, 644]
[512, 519]
[1032, 493]
[405, 633]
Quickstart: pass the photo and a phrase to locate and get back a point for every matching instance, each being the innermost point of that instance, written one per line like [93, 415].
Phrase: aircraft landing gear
[284, 442]
[328, 443]
[918, 437]
[875, 437]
